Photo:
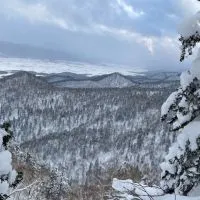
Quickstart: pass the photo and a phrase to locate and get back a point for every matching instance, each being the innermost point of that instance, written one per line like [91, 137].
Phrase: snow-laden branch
[23, 189]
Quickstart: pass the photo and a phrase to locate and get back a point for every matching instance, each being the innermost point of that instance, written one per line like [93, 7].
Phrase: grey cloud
[119, 31]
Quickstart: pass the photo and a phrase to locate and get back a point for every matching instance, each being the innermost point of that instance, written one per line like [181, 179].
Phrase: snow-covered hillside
[87, 131]
[114, 80]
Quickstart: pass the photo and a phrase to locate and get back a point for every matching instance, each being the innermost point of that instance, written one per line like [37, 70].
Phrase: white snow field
[47, 66]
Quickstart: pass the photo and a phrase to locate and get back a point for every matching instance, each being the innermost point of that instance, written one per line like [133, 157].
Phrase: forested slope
[88, 133]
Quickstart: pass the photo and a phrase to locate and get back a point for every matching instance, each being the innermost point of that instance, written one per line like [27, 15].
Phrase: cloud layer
[134, 32]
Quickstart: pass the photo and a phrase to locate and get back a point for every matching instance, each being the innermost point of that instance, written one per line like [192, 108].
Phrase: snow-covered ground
[129, 190]
[45, 66]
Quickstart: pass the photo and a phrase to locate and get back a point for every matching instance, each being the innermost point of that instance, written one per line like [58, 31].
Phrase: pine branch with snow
[181, 171]
[183, 105]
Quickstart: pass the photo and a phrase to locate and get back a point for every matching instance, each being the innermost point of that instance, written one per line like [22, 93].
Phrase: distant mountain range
[113, 80]
[56, 68]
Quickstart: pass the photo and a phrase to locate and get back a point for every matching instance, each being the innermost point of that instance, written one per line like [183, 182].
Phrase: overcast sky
[140, 33]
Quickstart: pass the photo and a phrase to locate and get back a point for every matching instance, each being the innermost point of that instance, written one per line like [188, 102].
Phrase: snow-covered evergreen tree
[181, 169]
[55, 186]
[9, 178]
